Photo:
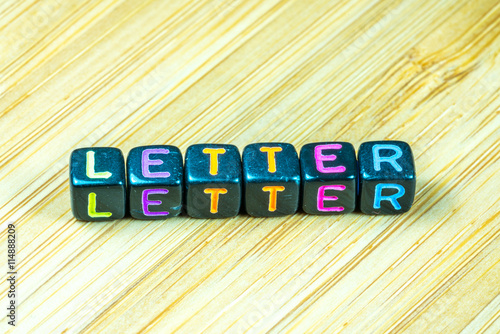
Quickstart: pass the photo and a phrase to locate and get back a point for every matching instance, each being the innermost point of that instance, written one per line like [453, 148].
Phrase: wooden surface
[128, 73]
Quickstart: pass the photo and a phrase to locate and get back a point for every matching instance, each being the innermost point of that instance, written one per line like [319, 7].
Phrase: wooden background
[126, 73]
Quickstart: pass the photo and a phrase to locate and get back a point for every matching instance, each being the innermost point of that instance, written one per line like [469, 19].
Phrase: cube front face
[97, 184]
[271, 173]
[329, 178]
[155, 181]
[213, 179]
[387, 177]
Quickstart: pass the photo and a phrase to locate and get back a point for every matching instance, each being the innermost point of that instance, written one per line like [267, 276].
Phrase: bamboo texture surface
[126, 73]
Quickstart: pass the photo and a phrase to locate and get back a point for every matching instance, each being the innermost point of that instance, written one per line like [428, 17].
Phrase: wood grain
[126, 73]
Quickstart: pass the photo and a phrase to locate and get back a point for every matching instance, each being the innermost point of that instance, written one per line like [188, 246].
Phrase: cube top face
[97, 166]
[329, 173]
[386, 160]
[271, 162]
[326, 161]
[213, 163]
[387, 177]
[158, 165]
[97, 184]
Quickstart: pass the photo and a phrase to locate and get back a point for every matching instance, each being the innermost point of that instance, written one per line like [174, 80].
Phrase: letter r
[392, 198]
[377, 159]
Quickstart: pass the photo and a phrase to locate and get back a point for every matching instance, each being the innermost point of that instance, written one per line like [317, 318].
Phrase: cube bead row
[269, 180]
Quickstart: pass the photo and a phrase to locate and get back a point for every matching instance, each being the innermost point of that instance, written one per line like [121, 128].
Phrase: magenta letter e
[318, 155]
[322, 198]
[146, 162]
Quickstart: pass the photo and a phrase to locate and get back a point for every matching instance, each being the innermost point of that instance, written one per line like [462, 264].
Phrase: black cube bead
[155, 181]
[386, 177]
[213, 181]
[328, 178]
[271, 173]
[97, 184]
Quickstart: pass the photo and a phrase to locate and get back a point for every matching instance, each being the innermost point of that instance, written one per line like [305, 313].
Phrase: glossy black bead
[213, 181]
[271, 173]
[328, 178]
[155, 181]
[386, 177]
[97, 184]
